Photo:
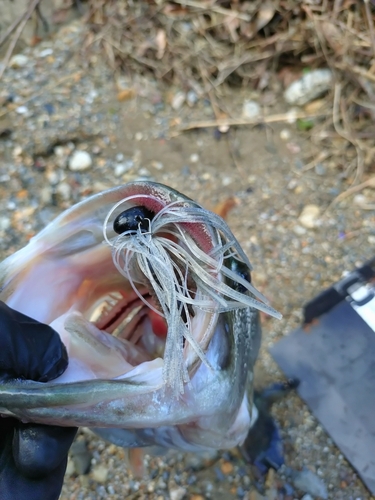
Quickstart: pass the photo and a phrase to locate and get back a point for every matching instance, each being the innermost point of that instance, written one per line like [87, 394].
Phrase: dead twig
[352, 190]
[12, 27]
[370, 23]
[32, 6]
[230, 122]
[343, 133]
[214, 8]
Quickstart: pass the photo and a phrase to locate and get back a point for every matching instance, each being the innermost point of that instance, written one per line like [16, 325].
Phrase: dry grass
[205, 44]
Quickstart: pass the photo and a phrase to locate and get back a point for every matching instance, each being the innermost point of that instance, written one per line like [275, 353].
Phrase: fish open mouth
[145, 301]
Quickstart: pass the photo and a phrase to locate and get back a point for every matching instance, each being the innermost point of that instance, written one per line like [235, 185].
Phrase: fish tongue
[95, 352]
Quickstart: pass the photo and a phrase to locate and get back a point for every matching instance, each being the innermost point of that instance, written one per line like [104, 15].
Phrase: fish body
[159, 317]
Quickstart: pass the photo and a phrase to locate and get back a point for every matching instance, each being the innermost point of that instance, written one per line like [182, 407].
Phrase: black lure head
[132, 219]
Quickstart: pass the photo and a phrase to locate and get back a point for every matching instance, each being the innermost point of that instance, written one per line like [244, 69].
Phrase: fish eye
[132, 219]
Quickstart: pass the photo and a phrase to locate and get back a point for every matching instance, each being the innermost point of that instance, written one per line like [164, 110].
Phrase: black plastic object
[333, 356]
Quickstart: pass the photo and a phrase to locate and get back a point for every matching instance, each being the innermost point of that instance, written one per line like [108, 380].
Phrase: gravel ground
[53, 103]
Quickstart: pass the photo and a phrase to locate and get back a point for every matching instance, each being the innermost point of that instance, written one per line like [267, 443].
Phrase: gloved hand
[33, 457]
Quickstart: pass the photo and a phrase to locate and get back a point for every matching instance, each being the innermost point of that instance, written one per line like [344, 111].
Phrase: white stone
[178, 100]
[120, 169]
[59, 151]
[285, 134]
[79, 161]
[45, 53]
[177, 493]
[250, 109]
[100, 474]
[309, 216]
[18, 61]
[64, 190]
[4, 223]
[309, 87]
[22, 110]
[299, 230]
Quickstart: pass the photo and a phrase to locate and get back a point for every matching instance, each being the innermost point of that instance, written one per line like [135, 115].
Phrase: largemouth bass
[151, 295]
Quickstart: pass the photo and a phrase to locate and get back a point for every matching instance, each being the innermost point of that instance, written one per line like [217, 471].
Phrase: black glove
[33, 457]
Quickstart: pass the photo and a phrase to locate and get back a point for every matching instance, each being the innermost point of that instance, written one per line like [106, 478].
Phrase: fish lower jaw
[117, 336]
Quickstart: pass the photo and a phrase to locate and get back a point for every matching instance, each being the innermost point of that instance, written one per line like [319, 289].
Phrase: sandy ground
[59, 101]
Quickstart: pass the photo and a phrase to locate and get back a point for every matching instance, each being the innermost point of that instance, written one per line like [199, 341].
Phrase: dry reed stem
[230, 122]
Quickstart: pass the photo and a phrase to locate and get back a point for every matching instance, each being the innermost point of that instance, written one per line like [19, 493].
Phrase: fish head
[151, 295]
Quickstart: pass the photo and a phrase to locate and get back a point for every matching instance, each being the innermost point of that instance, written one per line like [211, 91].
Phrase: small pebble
[45, 52]
[161, 484]
[5, 223]
[45, 195]
[177, 493]
[178, 100]
[59, 151]
[299, 230]
[320, 169]
[18, 61]
[309, 216]
[64, 190]
[143, 172]
[194, 158]
[79, 161]
[17, 151]
[250, 109]
[308, 482]
[226, 467]
[191, 98]
[360, 199]
[309, 86]
[157, 164]
[22, 110]
[100, 474]
[285, 134]
[121, 168]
